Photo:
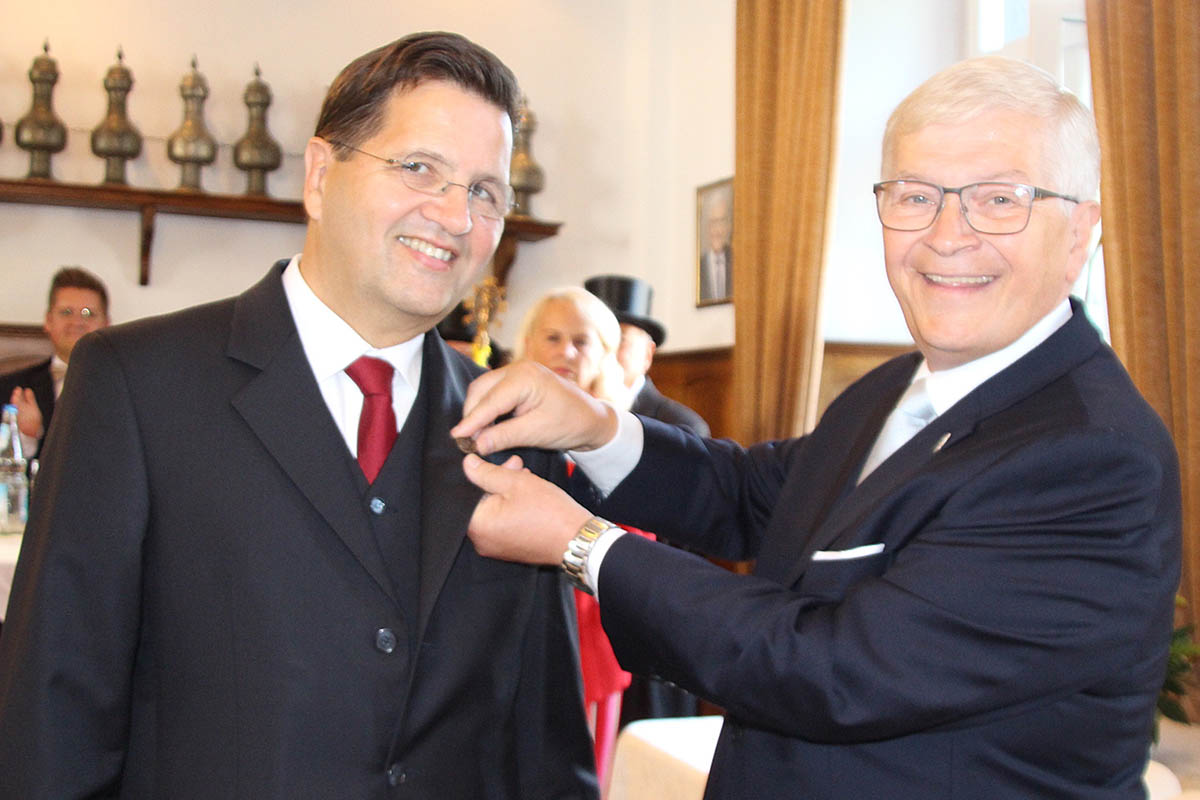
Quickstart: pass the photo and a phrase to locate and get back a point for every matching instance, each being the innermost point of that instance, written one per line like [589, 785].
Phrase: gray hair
[1071, 148]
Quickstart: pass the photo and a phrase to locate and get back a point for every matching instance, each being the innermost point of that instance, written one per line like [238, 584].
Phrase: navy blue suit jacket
[1009, 640]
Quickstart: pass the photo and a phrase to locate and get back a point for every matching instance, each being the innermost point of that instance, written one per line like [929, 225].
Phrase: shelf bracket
[147, 241]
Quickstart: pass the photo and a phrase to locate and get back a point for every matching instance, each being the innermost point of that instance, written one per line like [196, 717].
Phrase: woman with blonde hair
[576, 335]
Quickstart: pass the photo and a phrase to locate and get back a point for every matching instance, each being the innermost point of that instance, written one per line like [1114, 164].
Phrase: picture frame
[714, 243]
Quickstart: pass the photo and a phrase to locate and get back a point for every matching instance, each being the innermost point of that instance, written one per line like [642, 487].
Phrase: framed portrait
[714, 243]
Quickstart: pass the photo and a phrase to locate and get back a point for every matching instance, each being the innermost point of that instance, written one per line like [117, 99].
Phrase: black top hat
[629, 299]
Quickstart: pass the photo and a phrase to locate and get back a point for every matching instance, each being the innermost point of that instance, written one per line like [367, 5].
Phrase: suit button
[385, 640]
[377, 505]
[396, 775]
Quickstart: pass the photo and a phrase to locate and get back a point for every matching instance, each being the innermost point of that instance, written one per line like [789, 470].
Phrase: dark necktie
[377, 423]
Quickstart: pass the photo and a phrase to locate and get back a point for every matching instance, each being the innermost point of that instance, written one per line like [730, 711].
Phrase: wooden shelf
[518, 228]
[149, 202]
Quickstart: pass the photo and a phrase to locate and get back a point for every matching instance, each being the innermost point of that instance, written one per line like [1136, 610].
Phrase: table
[668, 759]
[10, 548]
[1178, 749]
[664, 759]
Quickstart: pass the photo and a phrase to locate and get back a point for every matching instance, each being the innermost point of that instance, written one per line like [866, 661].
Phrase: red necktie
[377, 423]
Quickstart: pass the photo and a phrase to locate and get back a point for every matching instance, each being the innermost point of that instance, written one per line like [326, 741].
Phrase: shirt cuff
[611, 463]
[599, 549]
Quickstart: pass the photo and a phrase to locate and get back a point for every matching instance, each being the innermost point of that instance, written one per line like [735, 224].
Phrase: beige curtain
[1145, 58]
[786, 91]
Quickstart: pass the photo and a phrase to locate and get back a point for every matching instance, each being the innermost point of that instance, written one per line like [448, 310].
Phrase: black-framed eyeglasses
[490, 199]
[989, 207]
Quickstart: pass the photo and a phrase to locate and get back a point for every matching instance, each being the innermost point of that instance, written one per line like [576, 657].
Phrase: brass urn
[525, 175]
[115, 139]
[40, 131]
[192, 146]
[256, 152]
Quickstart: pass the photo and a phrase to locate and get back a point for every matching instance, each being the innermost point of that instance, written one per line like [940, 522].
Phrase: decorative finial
[256, 152]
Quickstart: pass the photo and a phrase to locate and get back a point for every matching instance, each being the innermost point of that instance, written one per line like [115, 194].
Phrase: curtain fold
[786, 90]
[1145, 60]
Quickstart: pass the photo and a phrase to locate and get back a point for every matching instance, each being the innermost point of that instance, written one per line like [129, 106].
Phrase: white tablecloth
[10, 547]
[664, 759]
[1179, 749]
[668, 759]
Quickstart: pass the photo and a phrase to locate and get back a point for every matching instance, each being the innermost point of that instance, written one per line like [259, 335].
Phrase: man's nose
[950, 231]
[451, 209]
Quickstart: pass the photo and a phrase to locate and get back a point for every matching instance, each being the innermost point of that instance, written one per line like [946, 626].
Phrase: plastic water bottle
[14, 484]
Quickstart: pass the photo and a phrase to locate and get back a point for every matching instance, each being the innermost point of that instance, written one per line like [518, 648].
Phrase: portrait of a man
[714, 240]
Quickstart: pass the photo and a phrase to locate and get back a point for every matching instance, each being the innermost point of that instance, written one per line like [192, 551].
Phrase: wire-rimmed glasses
[487, 198]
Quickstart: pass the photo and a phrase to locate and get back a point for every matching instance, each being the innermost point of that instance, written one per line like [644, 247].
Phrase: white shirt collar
[946, 387]
[638, 383]
[331, 344]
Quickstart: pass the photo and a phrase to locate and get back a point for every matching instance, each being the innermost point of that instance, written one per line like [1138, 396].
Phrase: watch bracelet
[575, 557]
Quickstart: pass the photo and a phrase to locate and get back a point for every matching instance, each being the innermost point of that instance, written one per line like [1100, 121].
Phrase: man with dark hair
[246, 571]
[77, 304]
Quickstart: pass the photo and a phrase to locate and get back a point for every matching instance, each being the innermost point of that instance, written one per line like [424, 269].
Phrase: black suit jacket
[650, 402]
[1009, 639]
[202, 608]
[38, 378]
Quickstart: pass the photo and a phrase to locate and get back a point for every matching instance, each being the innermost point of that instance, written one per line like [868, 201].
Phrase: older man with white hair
[965, 574]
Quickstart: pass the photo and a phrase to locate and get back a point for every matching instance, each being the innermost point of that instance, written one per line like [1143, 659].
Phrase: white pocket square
[845, 555]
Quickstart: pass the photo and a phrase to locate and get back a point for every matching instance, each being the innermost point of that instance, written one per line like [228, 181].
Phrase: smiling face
[563, 339]
[389, 260]
[966, 294]
[73, 313]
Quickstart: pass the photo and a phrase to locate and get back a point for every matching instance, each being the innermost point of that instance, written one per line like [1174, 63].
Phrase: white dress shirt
[331, 345]
[607, 466]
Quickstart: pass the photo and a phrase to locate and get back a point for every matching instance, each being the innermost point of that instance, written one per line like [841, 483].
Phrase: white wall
[888, 49]
[634, 102]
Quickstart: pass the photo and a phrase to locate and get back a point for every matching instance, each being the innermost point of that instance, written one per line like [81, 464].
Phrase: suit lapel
[788, 555]
[819, 481]
[284, 408]
[447, 498]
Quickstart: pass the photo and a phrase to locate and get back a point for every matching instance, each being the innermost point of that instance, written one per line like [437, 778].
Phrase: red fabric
[602, 675]
[377, 423]
[603, 678]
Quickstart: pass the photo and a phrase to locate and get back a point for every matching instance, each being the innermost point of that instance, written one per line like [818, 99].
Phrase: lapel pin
[941, 442]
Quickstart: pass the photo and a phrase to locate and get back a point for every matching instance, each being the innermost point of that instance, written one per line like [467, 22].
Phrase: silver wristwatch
[575, 558]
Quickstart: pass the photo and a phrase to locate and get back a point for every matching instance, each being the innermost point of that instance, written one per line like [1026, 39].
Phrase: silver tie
[911, 414]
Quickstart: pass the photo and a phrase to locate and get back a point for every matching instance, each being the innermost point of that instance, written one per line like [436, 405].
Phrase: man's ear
[1084, 217]
[318, 155]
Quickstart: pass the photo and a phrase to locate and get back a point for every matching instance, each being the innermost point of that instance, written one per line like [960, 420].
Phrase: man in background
[641, 336]
[77, 304]
[965, 575]
[246, 571]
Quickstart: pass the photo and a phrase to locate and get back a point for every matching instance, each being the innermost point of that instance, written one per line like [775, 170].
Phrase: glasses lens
[998, 207]
[484, 199]
[907, 205]
[490, 199]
